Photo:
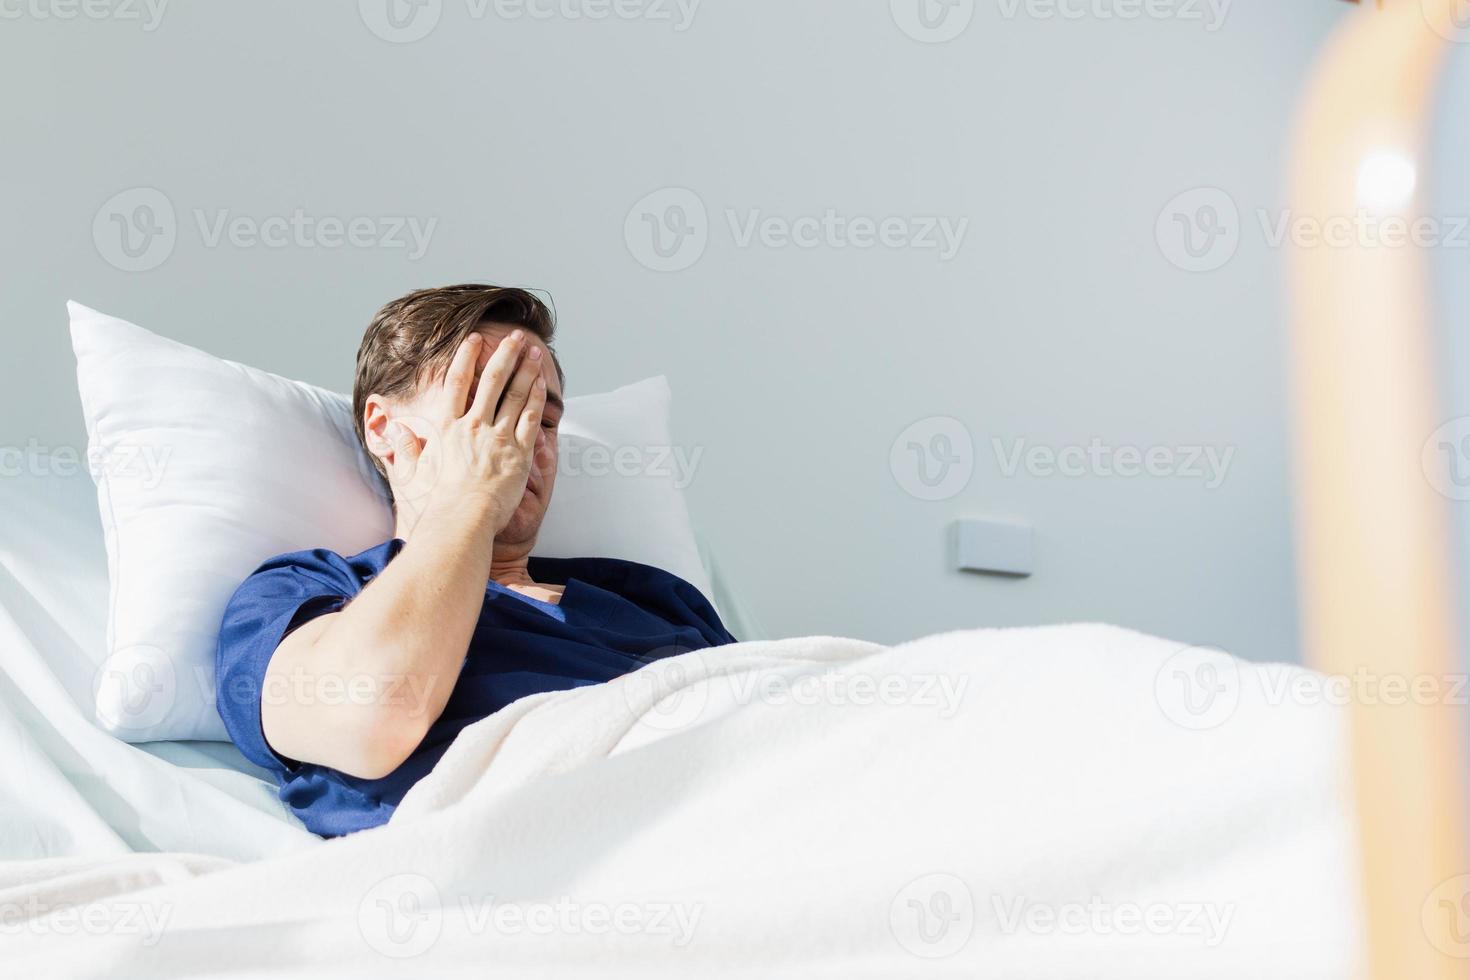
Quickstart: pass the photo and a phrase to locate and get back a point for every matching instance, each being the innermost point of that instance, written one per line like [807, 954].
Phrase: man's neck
[511, 571]
[509, 563]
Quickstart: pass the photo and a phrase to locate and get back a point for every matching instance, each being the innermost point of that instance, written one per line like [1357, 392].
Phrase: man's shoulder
[362, 565]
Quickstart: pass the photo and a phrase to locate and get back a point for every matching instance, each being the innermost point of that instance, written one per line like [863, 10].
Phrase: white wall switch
[998, 547]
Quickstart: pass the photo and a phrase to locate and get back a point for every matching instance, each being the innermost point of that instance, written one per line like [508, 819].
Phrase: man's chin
[525, 523]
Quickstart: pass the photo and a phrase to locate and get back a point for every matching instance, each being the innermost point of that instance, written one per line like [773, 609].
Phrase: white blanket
[1059, 802]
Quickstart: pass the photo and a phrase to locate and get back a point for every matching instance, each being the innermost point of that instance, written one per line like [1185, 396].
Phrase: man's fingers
[530, 420]
[405, 449]
[497, 372]
[519, 389]
[460, 376]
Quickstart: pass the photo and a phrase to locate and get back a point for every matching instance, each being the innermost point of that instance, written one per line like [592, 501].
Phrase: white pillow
[205, 468]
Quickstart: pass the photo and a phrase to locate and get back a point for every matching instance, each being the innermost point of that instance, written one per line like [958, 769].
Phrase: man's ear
[375, 419]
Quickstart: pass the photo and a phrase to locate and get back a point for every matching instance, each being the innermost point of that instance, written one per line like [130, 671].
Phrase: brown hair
[415, 337]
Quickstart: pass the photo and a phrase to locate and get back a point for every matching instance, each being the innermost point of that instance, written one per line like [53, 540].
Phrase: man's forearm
[403, 639]
[413, 623]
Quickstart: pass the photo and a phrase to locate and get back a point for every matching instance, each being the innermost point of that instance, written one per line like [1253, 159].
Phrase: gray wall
[1068, 314]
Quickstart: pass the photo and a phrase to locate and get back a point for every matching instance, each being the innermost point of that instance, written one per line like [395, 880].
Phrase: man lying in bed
[348, 677]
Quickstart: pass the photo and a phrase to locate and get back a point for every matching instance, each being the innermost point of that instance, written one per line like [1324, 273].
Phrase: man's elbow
[358, 741]
[383, 741]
